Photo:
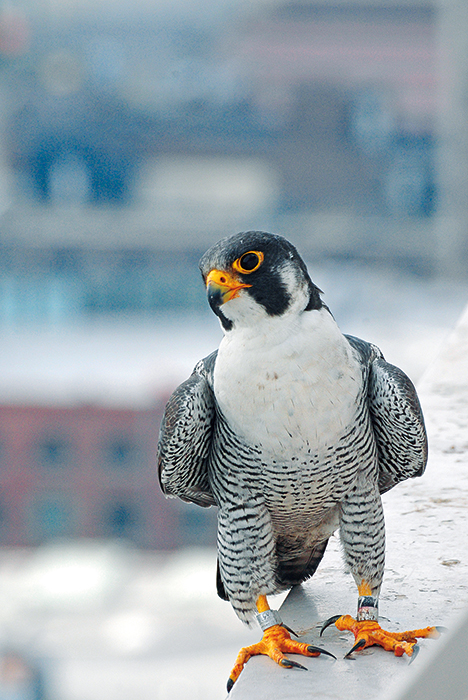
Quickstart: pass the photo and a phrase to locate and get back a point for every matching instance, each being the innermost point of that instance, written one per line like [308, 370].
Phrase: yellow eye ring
[252, 265]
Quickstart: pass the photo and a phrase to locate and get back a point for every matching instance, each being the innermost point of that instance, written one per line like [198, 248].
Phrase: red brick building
[82, 472]
[80, 410]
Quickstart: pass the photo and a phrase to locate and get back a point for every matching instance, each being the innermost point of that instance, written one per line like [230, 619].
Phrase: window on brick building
[121, 451]
[3, 517]
[53, 451]
[121, 519]
[51, 517]
[197, 526]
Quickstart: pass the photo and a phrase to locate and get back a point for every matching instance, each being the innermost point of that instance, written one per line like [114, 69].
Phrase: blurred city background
[133, 135]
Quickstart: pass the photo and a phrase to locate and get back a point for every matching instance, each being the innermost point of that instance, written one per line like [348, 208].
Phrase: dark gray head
[256, 273]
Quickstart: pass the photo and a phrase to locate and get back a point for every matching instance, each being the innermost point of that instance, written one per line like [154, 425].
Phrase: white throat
[288, 382]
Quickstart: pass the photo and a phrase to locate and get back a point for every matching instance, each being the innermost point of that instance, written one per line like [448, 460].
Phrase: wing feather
[396, 416]
[185, 438]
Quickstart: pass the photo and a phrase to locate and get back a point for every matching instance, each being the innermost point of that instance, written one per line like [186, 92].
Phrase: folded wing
[185, 438]
[396, 416]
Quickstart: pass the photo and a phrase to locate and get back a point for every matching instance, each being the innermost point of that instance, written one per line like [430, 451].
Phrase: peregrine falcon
[293, 430]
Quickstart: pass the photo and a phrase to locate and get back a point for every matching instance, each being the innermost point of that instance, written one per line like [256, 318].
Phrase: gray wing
[185, 438]
[396, 416]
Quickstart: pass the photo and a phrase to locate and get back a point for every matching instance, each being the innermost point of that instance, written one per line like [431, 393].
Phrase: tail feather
[295, 570]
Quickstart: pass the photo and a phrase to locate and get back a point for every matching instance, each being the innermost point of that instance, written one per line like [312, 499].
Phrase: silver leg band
[368, 608]
[269, 618]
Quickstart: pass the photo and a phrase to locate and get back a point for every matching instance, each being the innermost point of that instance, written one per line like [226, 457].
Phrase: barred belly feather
[293, 435]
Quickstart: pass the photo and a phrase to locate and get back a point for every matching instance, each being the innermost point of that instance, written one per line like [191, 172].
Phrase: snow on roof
[113, 363]
[132, 363]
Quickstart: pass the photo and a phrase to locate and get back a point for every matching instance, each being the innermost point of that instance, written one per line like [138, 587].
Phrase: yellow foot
[368, 632]
[275, 643]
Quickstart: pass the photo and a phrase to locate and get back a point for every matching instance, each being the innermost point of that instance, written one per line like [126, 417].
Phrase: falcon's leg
[367, 631]
[275, 643]
[363, 535]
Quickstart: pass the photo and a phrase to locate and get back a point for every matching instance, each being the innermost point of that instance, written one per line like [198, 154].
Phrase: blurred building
[82, 472]
[339, 99]
[134, 135]
[71, 470]
[133, 132]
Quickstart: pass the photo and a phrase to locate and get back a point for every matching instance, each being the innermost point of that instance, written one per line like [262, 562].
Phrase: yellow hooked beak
[222, 287]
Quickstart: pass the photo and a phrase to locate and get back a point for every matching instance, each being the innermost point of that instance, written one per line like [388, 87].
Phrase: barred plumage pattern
[278, 541]
[397, 419]
[185, 439]
[275, 514]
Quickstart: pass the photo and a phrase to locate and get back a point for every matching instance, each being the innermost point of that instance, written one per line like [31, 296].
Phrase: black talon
[330, 621]
[359, 644]
[315, 650]
[229, 684]
[416, 649]
[289, 629]
[441, 629]
[287, 663]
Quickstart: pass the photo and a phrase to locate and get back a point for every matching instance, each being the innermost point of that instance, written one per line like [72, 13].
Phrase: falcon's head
[254, 274]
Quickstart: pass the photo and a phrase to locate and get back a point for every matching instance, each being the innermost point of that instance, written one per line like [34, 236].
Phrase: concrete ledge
[426, 580]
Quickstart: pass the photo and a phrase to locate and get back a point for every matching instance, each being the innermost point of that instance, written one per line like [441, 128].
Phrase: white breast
[291, 383]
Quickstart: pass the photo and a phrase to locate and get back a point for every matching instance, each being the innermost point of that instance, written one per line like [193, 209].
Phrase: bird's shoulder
[366, 351]
[205, 368]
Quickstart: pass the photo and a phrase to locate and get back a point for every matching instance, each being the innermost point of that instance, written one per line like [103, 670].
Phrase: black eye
[249, 262]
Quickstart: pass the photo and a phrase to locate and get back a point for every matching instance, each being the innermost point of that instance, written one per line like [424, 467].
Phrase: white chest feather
[290, 384]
